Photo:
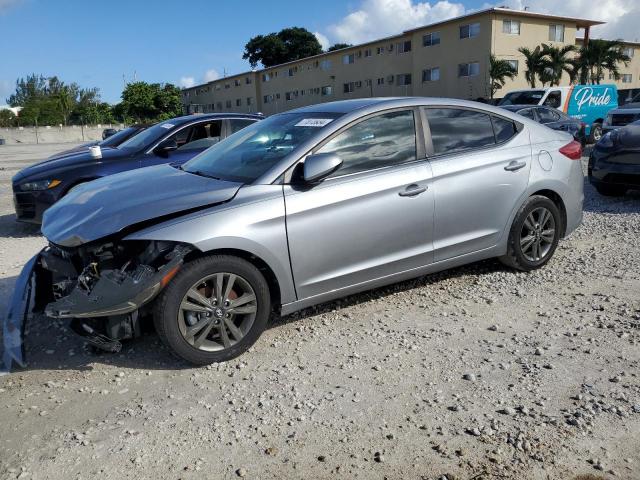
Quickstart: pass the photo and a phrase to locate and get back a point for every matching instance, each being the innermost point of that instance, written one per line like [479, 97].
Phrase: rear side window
[547, 115]
[454, 130]
[380, 141]
[504, 129]
[239, 123]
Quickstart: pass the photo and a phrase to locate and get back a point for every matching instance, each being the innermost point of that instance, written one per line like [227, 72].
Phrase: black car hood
[42, 169]
[106, 206]
[73, 151]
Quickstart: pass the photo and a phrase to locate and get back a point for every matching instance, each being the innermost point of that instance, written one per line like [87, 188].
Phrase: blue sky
[96, 43]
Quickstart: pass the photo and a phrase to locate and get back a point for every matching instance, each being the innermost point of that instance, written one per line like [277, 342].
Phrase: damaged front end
[101, 286]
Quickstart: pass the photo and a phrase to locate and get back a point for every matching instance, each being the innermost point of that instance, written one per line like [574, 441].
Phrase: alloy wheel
[537, 235]
[217, 312]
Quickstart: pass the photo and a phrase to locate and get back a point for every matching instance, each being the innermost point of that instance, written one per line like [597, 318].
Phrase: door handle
[412, 190]
[513, 166]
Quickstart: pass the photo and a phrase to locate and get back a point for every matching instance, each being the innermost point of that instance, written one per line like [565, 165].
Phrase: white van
[587, 103]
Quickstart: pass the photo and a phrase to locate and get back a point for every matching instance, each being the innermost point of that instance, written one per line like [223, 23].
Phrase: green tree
[597, 56]
[285, 46]
[534, 63]
[7, 118]
[338, 46]
[555, 61]
[149, 102]
[28, 88]
[499, 72]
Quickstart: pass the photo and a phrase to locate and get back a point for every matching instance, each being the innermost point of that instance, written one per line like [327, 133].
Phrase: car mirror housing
[166, 146]
[320, 165]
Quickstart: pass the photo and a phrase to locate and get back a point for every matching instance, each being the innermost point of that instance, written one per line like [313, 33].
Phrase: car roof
[515, 108]
[211, 116]
[381, 103]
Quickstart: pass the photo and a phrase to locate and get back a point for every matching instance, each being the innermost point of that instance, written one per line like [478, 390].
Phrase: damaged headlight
[39, 185]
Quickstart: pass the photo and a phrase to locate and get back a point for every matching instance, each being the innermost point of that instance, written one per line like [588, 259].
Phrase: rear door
[480, 165]
[373, 217]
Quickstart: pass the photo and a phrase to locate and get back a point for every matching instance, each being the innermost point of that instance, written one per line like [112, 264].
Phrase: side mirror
[166, 146]
[320, 165]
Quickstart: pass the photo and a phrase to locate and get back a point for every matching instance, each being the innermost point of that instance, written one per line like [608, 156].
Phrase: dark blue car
[175, 141]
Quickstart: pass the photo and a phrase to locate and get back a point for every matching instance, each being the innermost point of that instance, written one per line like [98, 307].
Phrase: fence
[59, 134]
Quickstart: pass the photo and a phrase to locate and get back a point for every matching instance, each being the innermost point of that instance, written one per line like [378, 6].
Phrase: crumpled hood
[107, 205]
[59, 164]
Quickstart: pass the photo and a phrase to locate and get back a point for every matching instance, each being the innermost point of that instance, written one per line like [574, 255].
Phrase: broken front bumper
[112, 292]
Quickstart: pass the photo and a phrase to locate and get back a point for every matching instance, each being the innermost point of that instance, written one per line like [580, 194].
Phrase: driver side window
[380, 141]
[199, 136]
[553, 100]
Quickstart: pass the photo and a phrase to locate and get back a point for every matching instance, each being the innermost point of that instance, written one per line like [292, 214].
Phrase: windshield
[117, 137]
[249, 153]
[529, 97]
[147, 137]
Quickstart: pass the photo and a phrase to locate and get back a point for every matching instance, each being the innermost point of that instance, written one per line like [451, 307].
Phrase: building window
[237, 82]
[626, 78]
[348, 87]
[266, 77]
[358, 84]
[227, 85]
[403, 79]
[228, 103]
[291, 72]
[379, 50]
[267, 98]
[511, 27]
[390, 47]
[249, 100]
[367, 83]
[247, 80]
[470, 31]
[349, 58]
[431, 74]
[468, 69]
[325, 65]
[431, 39]
[556, 33]
[327, 90]
[514, 65]
[380, 81]
[390, 78]
[219, 105]
[367, 52]
[404, 47]
[218, 87]
[628, 51]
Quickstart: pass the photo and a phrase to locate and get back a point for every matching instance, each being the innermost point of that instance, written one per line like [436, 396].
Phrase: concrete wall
[71, 134]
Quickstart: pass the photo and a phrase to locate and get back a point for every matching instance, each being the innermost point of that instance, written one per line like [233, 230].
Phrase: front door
[371, 218]
[480, 169]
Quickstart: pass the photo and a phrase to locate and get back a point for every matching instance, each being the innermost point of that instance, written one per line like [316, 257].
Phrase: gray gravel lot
[475, 373]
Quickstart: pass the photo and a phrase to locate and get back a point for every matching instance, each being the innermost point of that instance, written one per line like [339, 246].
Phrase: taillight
[572, 150]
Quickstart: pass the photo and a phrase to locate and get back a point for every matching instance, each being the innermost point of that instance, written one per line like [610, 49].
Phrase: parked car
[621, 116]
[614, 163]
[107, 132]
[551, 118]
[39, 186]
[586, 103]
[113, 141]
[299, 209]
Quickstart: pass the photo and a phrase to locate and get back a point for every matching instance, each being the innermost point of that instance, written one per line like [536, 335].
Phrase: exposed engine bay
[101, 286]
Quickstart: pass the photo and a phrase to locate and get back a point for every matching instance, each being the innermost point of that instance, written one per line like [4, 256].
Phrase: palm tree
[555, 61]
[599, 55]
[533, 61]
[499, 71]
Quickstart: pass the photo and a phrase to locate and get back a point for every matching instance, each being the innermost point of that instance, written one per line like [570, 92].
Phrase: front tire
[214, 309]
[534, 234]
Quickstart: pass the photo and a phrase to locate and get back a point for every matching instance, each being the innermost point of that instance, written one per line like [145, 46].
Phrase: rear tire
[534, 234]
[611, 190]
[202, 326]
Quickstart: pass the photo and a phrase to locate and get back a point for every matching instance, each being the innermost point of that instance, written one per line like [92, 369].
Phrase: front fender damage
[88, 284]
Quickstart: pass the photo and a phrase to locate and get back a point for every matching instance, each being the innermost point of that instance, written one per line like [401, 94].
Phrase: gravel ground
[475, 373]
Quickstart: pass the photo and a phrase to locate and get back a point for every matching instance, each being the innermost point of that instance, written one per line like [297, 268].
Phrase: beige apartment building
[445, 59]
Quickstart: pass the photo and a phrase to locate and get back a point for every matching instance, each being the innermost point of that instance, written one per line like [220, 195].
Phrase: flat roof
[580, 23]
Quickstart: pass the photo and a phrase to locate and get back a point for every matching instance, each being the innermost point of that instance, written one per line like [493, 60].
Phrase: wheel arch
[556, 198]
[264, 268]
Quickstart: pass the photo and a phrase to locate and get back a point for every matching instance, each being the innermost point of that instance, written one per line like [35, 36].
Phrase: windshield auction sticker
[167, 125]
[313, 122]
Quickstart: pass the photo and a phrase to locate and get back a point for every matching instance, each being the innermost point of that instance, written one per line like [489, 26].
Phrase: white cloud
[379, 18]
[186, 82]
[211, 75]
[621, 16]
[323, 40]
[7, 4]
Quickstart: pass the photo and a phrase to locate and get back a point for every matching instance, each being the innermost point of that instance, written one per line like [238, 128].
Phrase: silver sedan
[301, 208]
